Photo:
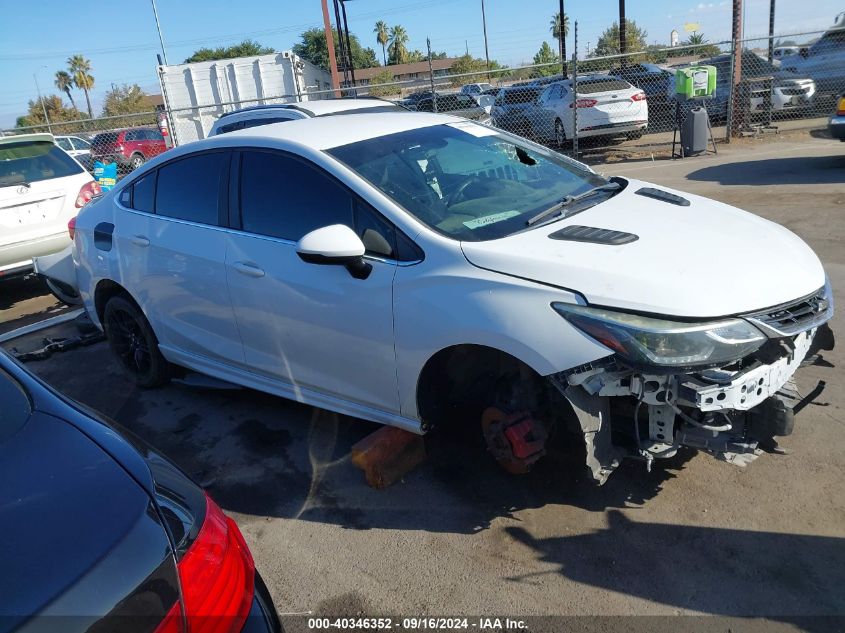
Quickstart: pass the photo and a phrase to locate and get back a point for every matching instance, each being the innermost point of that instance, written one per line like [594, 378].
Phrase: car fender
[443, 302]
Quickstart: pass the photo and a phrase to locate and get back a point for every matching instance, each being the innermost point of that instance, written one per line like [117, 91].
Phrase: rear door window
[143, 193]
[33, 161]
[189, 188]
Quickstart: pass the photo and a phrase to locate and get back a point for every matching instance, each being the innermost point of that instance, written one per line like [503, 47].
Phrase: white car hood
[704, 260]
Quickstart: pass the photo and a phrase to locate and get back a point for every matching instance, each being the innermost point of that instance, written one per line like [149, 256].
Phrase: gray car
[513, 108]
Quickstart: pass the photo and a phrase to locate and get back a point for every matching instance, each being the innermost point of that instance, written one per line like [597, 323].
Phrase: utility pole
[158, 28]
[623, 39]
[327, 24]
[771, 30]
[484, 26]
[41, 99]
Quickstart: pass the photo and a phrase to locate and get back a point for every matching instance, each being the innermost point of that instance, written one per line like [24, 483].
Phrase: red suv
[128, 148]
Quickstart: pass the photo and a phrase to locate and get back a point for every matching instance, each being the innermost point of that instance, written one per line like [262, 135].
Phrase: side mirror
[335, 245]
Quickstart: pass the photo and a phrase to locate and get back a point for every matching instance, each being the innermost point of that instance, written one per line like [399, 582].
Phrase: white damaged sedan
[421, 270]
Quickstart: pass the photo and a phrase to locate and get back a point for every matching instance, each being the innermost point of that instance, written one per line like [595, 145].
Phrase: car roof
[319, 107]
[22, 138]
[321, 133]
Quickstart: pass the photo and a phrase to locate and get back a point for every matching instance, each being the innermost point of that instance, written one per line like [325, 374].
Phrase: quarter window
[143, 193]
[188, 189]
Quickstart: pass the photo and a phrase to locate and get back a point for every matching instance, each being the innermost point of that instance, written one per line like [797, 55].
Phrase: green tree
[554, 27]
[697, 45]
[695, 39]
[247, 48]
[312, 46]
[469, 64]
[546, 56]
[398, 39]
[126, 99]
[382, 32]
[383, 77]
[608, 43]
[80, 70]
[64, 82]
[56, 111]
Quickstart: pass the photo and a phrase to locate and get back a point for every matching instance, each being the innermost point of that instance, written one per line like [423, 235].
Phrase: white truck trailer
[197, 94]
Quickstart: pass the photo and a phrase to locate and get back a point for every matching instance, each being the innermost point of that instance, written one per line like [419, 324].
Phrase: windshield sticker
[490, 219]
[475, 129]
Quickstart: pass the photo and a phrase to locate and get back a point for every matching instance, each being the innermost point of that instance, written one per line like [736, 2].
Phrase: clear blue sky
[120, 38]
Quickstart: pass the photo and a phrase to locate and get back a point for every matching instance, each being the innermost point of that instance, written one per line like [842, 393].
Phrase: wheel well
[105, 290]
[462, 378]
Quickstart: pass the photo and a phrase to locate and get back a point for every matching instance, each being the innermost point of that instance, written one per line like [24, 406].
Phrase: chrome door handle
[140, 240]
[250, 270]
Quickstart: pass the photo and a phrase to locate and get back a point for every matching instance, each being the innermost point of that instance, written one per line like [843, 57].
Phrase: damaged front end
[725, 387]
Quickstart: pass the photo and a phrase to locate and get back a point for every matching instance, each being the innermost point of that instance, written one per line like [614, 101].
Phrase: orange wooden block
[388, 455]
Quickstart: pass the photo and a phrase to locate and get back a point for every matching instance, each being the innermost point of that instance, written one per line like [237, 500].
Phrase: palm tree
[554, 27]
[64, 82]
[398, 39]
[80, 70]
[696, 39]
[382, 32]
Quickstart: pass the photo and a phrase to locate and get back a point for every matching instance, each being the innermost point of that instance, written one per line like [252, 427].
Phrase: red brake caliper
[516, 440]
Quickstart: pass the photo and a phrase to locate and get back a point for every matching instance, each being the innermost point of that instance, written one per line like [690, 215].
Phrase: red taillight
[640, 96]
[88, 191]
[217, 575]
[71, 227]
[584, 103]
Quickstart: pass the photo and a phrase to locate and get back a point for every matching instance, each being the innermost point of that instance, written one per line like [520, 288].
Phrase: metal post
[327, 24]
[41, 100]
[623, 36]
[735, 121]
[562, 40]
[484, 26]
[343, 62]
[575, 93]
[171, 120]
[771, 31]
[431, 75]
[158, 28]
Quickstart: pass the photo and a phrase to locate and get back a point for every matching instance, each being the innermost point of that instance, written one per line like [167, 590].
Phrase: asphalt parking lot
[458, 537]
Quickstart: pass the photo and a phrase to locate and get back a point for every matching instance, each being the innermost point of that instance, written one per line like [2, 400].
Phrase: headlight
[647, 341]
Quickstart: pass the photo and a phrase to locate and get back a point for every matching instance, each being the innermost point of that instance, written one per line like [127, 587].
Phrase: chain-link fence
[617, 104]
[128, 140]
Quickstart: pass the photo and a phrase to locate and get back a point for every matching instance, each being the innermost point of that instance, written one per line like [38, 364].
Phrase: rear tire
[133, 341]
[63, 292]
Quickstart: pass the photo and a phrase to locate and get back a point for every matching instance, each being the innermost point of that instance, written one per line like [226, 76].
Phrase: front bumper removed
[731, 413]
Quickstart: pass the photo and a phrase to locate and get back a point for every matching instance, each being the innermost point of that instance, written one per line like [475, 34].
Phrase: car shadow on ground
[266, 456]
[761, 573]
[806, 170]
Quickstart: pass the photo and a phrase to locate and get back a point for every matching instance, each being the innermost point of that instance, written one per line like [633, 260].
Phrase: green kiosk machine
[693, 84]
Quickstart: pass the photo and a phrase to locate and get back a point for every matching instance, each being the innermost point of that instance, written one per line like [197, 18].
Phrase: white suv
[41, 190]
[424, 270]
[278, 113]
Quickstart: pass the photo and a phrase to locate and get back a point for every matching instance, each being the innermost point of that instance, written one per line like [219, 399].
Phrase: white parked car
[77, 147]
[278, 113]
[424, 270]
[607, 106]
[41, 190]
[474, 90]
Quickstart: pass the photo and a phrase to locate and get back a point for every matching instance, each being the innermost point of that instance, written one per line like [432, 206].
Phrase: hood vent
[664, 196]
[576, 233]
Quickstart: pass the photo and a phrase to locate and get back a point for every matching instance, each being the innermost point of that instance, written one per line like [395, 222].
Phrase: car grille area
[797, 316]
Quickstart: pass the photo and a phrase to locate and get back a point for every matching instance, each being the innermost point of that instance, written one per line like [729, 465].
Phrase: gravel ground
[765, 544]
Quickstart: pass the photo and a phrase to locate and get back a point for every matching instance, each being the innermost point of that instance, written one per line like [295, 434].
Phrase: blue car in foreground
[102, 533]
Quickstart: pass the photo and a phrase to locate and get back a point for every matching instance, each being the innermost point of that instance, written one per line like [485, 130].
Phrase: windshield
[28, 162]
[465, 180]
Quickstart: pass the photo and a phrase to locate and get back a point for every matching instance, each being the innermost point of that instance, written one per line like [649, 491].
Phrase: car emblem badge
[22, 189]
